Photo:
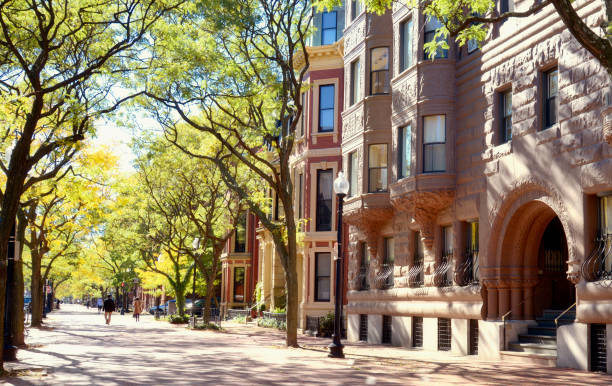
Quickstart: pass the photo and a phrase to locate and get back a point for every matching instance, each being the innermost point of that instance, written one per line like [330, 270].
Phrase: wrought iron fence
[598, 266]
[384, 279]
[468, 272]
[278, 316]
[443, 272]
[363, 278]
[235, 313]
[416, 277]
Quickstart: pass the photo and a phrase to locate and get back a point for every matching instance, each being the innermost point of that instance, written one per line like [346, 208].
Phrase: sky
[117, 139]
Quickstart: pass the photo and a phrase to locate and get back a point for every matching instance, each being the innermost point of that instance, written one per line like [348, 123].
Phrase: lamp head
[341, 184]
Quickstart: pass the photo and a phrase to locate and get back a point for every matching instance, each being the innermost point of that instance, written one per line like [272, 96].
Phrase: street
[77, 348]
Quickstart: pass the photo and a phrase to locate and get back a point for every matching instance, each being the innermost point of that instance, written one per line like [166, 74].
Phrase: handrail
[563, 313]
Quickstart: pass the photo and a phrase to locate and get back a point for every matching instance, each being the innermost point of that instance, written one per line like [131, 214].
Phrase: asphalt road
[78, 348]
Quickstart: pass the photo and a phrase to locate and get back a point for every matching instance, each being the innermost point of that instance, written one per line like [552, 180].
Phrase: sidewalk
[79, 349]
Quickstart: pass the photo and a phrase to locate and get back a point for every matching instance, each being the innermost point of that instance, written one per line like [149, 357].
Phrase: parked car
[199, 308]
[161, 308]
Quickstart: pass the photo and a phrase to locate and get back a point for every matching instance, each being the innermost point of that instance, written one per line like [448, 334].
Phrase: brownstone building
[480, 208]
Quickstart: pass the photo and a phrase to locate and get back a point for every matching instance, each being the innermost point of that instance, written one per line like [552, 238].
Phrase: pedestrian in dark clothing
[109, 307]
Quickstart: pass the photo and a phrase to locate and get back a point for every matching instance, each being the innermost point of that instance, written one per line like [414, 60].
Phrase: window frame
[387, 83]
[300, 195]
[333, 108]
[334, 28]
[317, 277]
[441, 53]
[356, 9]
[353, 173]
[403, 47]
[235, 300]
[427, 145]
[505, 136]
[242, 221]
[355, 79]
[319, 226]
[546, 98]
[404, 164]
[385, 182]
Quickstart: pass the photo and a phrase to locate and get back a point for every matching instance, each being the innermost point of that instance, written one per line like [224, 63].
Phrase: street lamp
[341, 187]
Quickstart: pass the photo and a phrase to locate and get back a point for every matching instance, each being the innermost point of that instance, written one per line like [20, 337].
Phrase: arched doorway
[526, 272]
[553, 290]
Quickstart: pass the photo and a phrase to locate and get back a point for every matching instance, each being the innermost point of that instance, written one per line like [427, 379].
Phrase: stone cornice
[329, 51]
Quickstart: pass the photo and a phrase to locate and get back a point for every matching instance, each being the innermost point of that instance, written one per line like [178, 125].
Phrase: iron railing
[598, 266]
[416, 277]
[443, 272]
[364, 278]
[467, 273]
[384, 279]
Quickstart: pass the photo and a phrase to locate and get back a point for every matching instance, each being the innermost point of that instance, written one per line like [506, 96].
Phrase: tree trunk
[17, 310]
[38, 300]
[292, 303]
[209, 294]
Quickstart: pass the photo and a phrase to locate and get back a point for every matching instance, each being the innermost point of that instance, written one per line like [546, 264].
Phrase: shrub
[271, 323]
[239, 319]
[326, 325]
[178, 319]
[279, 310]
[208, 326]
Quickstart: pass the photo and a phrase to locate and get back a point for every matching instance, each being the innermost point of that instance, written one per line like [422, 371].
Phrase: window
[472, 45]
[355, 82]
[388, 263]
[505, 6]
[279, 210]
[240, 235]
[239, 284]
[404, 154]
[355, 9]
[364, 269]
[326, 108]
[405, 44]
[506, 122]
[468, 271]
[550, 97]
[328, 30]
[353, 173]
[431, 25]
[324, 199]
[379, 70]
[303, 120]
[446, 269]
[605, 215]
[301, 196]
[322, 276]
[434, 143]
[377, 170]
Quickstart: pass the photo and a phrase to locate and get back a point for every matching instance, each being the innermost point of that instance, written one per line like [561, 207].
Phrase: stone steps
[526, 357]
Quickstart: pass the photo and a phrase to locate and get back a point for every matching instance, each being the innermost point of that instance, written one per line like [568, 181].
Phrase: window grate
[363, 328]
[473, 337]
[417, 331]
[598, 348]
[444, 334]
[386, 329]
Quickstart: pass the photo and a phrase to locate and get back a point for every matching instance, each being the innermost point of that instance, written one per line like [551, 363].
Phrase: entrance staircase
[539, 344]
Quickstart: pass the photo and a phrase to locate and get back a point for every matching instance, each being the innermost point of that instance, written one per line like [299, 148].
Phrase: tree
[232, 76]
[58, 64]
[470, 19]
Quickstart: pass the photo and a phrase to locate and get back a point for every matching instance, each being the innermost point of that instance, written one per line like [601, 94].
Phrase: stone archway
[526, 269]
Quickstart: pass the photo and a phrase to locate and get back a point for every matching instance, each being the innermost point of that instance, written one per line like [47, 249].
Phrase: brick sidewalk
[79, 349]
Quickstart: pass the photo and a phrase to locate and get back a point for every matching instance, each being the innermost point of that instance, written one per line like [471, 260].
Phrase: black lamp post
[9, 351]
[341, 187]
[122, 300]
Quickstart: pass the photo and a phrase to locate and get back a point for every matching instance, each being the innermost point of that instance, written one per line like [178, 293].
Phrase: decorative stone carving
[607, 124]
[354, 36]
[404, 95]
[352, 124]
[424, 206]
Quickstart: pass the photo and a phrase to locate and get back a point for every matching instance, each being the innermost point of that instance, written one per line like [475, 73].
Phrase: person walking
[137, 309]
[100, 304]
[109, 307]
